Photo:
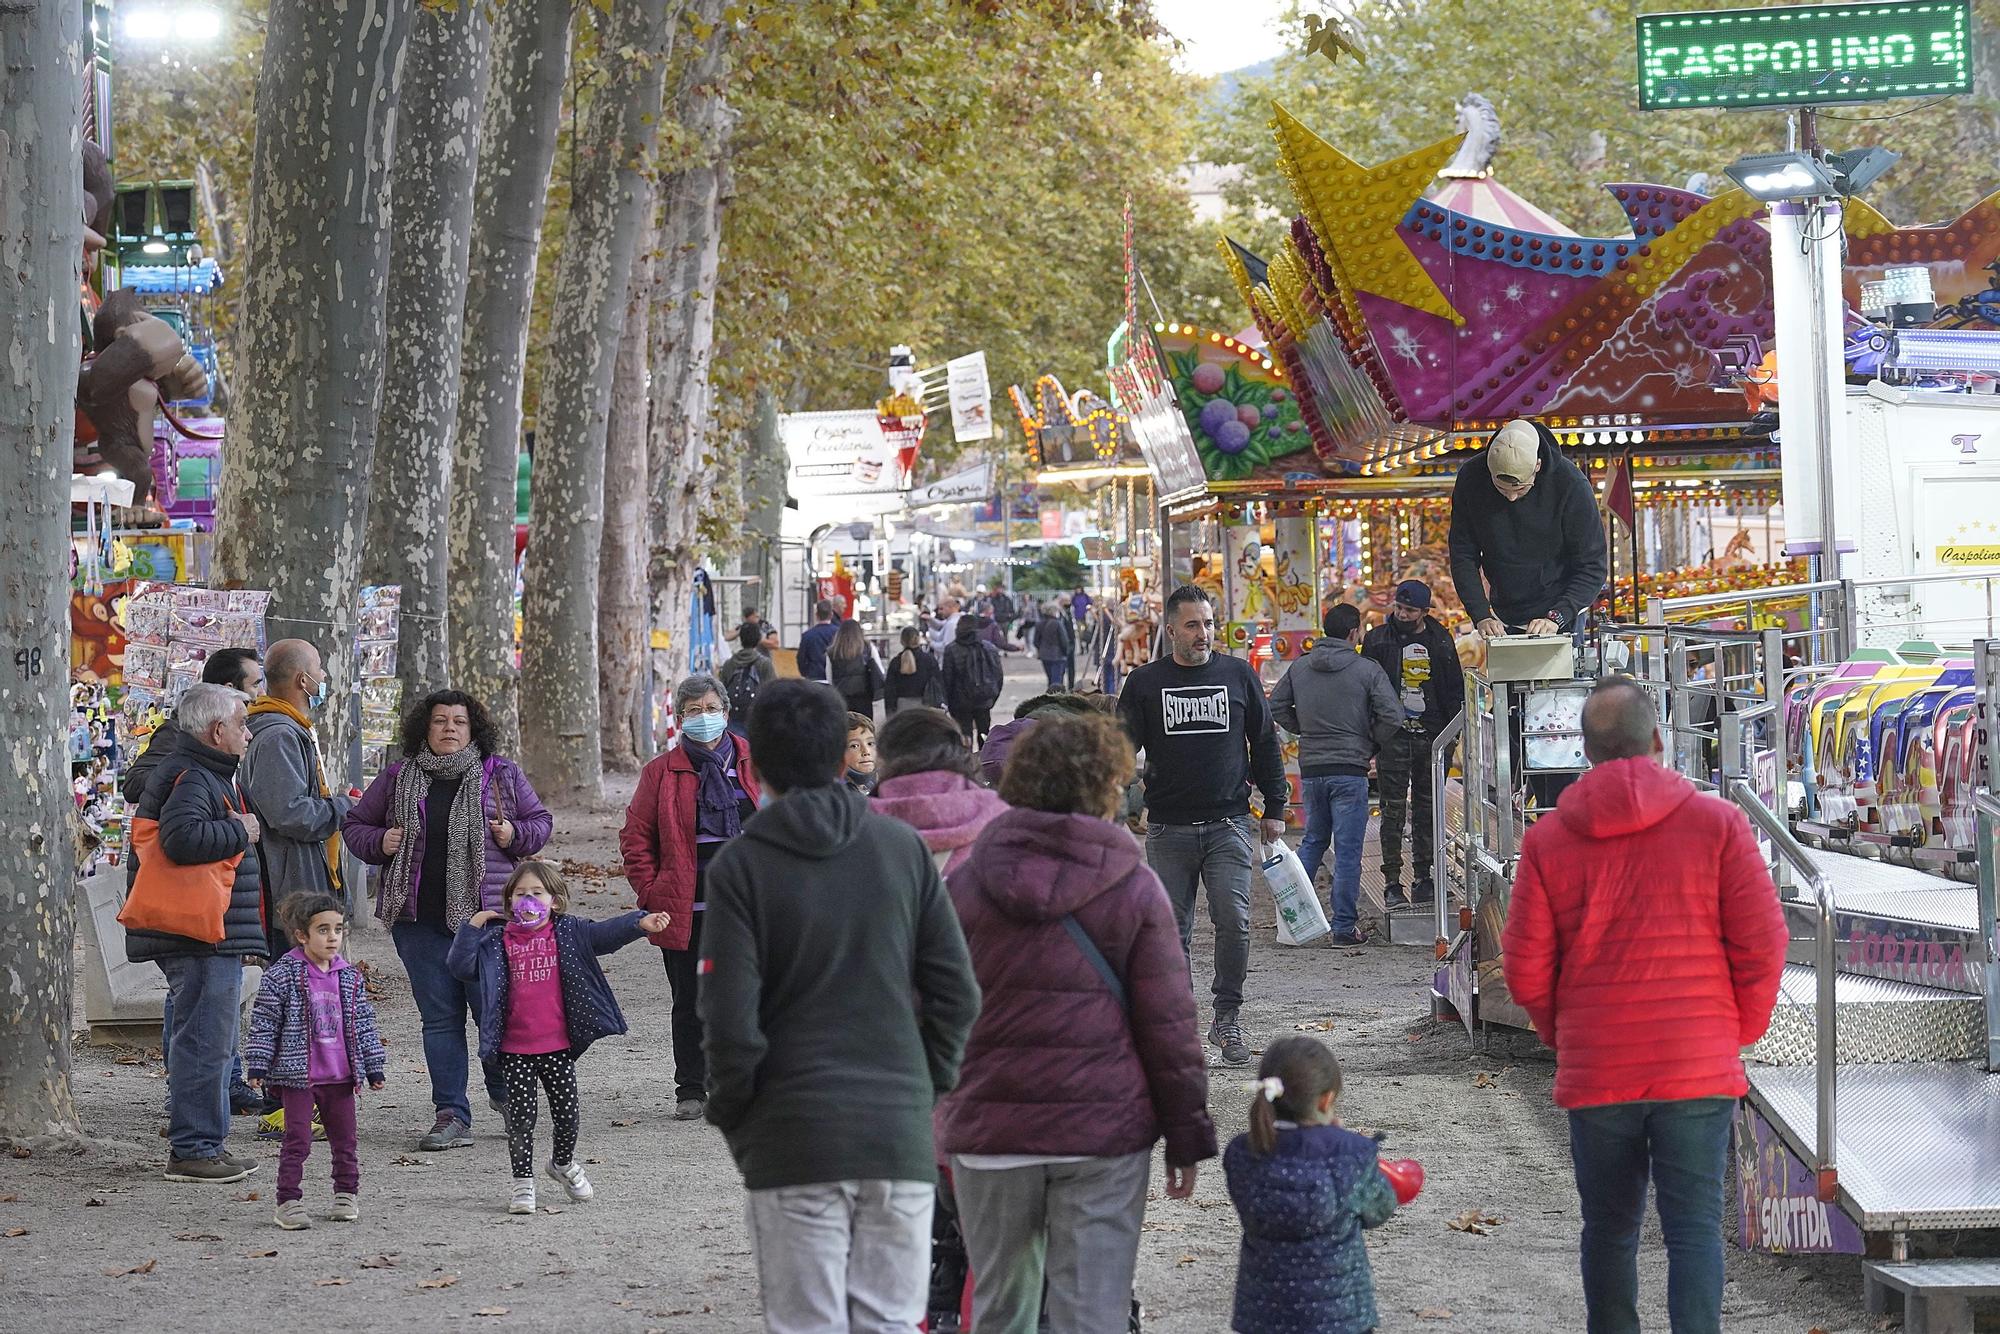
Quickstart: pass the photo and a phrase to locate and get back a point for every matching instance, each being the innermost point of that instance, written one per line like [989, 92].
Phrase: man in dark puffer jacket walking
[202, 819]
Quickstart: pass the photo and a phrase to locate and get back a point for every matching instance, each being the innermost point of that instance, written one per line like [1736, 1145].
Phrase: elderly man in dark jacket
[1524, 518]
[202, 818]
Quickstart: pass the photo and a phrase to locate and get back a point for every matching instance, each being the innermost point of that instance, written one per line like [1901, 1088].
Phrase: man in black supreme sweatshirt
[1201, 719]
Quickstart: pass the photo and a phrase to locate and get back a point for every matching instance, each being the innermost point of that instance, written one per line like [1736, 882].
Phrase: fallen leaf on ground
[20, 1151]
[247, 1197]
[1315, 1026]
[620, 1125]
[1184, 1260]
[1485, 1081]
[15, 1232]
[381, 1262]
[329, 1283]
[1435, 1313]
[1475, 1222]
[259, 1255]
[1162, 1225]
[492, 1310]
[93, 1203]
[404, 1160]
[9, 1199]
[129, 1060]
[550, 1209]
[196, 1236]
[440, 1281]
[145, 1268]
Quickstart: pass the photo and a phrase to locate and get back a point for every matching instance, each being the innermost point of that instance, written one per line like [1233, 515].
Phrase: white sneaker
[573, 1180]
[524, 1196]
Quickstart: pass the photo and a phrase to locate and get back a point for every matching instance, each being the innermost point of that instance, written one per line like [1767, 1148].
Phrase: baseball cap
[1414, 593]
[1516, 451]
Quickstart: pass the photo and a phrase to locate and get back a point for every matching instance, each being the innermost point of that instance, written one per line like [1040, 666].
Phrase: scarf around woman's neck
[716, 814]
[465, 847]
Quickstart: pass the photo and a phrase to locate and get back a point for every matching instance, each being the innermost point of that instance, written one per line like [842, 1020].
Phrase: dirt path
[664, 1246]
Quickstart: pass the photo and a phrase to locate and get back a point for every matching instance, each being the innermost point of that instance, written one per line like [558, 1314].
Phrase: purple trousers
[336, 1104]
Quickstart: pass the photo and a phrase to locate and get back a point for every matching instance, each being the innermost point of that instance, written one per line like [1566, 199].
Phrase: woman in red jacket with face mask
[692, 799]
[1086, 1051]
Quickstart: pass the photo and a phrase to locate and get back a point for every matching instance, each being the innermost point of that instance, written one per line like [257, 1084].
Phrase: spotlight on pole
[1774, 176]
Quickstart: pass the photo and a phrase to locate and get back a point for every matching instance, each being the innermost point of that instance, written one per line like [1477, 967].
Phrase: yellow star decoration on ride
[1354, 211]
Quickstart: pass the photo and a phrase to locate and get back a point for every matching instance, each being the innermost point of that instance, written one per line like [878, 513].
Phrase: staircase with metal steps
[1917, 1126]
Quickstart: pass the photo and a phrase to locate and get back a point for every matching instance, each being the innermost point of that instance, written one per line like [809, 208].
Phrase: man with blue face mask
[285, 778]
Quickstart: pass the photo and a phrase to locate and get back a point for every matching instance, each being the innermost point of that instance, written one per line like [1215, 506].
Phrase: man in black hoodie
[823, 919]
[1422, 664]
[1525, 517]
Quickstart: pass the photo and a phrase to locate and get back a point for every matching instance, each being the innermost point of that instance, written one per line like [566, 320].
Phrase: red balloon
[1406, 1177]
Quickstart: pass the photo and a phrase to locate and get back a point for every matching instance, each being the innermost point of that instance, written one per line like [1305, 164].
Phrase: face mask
[530, 912]
[317, 699]
[705, 727]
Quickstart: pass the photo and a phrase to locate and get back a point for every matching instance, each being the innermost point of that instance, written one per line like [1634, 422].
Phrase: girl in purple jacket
[543, 1000]
[313, 1040]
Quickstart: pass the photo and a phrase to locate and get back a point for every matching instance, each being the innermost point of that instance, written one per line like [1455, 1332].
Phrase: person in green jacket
[836, 999]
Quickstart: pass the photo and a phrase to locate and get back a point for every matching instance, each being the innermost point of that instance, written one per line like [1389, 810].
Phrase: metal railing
[1440, 841]
[1826, 1066]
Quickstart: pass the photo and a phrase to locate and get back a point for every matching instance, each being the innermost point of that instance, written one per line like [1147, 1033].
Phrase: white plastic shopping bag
[1300, 918]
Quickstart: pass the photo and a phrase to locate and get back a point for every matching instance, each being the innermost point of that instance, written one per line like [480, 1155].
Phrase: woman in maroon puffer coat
[1085, 1053]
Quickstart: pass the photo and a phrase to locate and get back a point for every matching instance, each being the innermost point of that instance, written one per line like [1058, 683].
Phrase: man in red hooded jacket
[1645, 940]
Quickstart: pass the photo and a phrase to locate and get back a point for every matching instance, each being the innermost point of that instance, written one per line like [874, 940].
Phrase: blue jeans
[1684, 1145]
[1218, 855]
[1055, 669]
[1337, 817]
[443, 1003]
[206, 994]
[237, 1088]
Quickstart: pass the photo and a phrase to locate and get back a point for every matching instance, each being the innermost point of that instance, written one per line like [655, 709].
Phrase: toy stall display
[378, 631]
[96, 758]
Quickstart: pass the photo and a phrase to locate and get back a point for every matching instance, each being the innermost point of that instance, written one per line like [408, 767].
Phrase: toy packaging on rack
[170, 630]
[95, 758]
[375, 667]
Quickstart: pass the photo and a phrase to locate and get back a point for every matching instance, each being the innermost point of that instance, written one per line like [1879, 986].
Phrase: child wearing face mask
[545, 1001]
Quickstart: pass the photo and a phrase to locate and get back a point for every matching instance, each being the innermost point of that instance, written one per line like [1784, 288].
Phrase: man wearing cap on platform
[1422, 663]
[1524, 516]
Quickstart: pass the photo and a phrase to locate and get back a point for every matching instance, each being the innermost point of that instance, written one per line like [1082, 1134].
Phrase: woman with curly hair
[447, 823]
[1085, 1052]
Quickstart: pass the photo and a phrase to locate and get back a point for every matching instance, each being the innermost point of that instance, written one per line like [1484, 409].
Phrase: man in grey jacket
[1342, 708]
[285, 779]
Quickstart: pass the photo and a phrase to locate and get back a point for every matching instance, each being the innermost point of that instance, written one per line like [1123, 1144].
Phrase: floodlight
[1859, 168]
[1775, 176]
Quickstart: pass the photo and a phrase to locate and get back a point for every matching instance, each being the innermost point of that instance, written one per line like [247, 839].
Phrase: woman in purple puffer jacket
[446, 823]
[1085, 1052]
[926, 778]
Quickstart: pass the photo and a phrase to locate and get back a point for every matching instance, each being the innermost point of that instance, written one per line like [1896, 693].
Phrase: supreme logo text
[1194, 709]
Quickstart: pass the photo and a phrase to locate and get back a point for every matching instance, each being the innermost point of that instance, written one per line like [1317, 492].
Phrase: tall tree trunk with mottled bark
[517, 149]
[626, 717]
[293, 507]
[684, 334]
[41, 247]
[559, 700]
[431, 187]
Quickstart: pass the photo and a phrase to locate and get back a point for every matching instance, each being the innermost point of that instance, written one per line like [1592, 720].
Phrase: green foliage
[1561, 73]
[1059, 570]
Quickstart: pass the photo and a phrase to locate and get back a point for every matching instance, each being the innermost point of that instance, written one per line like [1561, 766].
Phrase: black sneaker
[1423, 892]
[216, 1171]
[1227, 1034]
[1354, 937]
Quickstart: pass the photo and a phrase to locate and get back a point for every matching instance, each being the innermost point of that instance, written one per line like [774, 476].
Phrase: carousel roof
[1484, 198]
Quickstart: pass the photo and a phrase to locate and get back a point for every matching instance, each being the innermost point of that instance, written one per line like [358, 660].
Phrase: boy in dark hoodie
[822, 1072]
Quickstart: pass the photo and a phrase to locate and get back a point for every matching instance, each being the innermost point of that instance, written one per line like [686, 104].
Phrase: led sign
[1805, 55]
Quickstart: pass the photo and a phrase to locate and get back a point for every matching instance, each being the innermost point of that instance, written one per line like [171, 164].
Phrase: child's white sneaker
[524, 1196]
[291, 1215]
[573, 1180]
[346, 1209]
